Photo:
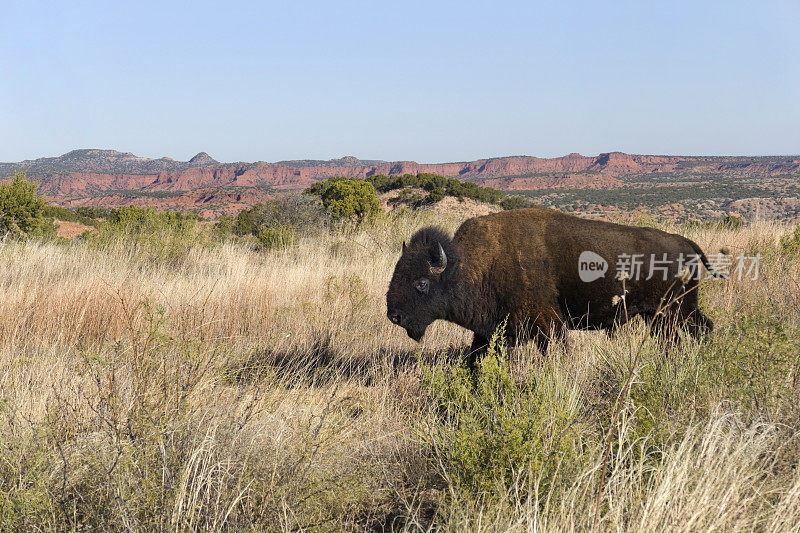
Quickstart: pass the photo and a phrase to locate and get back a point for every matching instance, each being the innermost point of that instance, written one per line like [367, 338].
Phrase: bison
[543, 271]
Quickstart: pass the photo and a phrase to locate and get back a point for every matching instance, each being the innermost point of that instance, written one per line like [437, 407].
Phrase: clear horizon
[428, 82]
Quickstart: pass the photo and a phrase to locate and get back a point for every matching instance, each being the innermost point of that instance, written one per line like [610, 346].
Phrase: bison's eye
[421, 285]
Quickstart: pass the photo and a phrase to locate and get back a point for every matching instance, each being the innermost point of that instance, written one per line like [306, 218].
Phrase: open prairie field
[181, 382]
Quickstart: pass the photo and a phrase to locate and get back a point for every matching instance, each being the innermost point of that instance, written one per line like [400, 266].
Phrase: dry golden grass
[232, 389]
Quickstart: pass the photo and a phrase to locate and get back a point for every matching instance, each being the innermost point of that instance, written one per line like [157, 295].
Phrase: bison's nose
[395, 316]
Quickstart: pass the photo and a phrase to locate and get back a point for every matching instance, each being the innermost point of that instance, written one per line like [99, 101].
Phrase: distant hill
[104, 161]
[572, 182]
[203, 159]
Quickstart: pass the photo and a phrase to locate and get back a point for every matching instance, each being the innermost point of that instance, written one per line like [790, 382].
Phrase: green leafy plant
[138, 219]
[155, 235]
[295, 212]
[517, 202]
[276, 237]
[731, 222]
[349, 198]
[92, 212]
[754, 361]
[22, 213]
[491, 431]
[62, 213]
[791, 243]
[437, 186]
[274, 224]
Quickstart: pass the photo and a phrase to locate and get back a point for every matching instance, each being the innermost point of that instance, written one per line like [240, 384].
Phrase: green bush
[753, 363]
[492, 431]
[791, 243]
[749, 366]
[297, 212]
[134, 219]
[731, 222]
[276, 237]
[223, 228]
[275, 224]
[22, 213]
[92, 212]
[62, 213]
[155, 236]
[247, 222]
[437, 186]
[436, 195]
[350, 198]
[516, 202]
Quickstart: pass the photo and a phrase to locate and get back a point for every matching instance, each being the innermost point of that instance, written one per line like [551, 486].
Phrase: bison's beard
[415, 332]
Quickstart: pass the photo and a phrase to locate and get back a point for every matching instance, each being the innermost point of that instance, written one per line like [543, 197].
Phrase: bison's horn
[441, 264]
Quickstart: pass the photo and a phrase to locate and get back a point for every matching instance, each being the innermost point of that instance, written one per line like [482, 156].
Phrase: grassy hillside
[185, 381]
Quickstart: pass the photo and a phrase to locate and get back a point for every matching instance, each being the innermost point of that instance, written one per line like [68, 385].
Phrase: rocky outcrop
[90, 183]
[203, 159]
[89, 172]
[564, 181]
[208, 203]
[112, 179]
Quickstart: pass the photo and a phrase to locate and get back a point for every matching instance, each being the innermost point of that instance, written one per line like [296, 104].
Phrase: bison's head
[418, 291]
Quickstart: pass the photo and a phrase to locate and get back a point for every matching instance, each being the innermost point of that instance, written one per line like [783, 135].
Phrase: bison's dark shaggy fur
[523, 266]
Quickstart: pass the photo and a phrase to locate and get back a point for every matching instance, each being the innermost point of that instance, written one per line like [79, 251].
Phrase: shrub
[62, 213]
[276, 237]
[791, 243]
[516, 202]
[437, 186]
[467, 189]
[154, 235]
[492, 432]
[92, 212]
[22, 213]
[436, 195]
[224, 227]
[753, 363]
[277, 223]
[136, 219]
[247, 222]
[731, 222]
[297, 212]
[350, 198]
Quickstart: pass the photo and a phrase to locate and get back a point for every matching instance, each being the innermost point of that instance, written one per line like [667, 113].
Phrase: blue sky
[427, 81]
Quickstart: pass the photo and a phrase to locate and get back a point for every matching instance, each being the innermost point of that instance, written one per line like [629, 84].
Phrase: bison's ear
[440, 262]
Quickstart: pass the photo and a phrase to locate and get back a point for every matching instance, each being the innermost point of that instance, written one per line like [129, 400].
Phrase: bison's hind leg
[689, 314]
[667, 324]
[663, 325]
[697, 324]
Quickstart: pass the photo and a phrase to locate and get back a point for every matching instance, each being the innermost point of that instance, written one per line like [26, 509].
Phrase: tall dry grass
[222, 388]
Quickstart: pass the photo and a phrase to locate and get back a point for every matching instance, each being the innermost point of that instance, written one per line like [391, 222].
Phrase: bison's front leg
[479, 345]
[542, 340]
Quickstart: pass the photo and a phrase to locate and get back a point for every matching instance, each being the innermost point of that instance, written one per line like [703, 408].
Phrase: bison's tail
[704, 259]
